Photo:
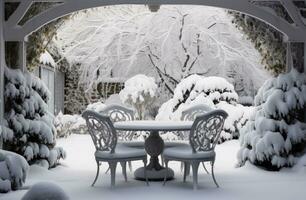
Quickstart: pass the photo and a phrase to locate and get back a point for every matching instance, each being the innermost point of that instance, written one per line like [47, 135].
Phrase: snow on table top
[150, 125]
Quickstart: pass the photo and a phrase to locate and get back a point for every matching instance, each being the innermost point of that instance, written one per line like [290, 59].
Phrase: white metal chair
[104, 137]
[189, 115]
[118, 113]
[203, 138]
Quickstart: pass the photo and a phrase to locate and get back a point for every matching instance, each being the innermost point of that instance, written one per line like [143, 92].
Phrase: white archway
[295, 32]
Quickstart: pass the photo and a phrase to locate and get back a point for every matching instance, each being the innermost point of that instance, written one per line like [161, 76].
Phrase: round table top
[150, 125]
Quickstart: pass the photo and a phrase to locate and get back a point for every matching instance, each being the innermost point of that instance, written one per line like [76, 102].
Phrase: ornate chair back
[120, 113]
[191, 113]
[101, 130]
[206, 130]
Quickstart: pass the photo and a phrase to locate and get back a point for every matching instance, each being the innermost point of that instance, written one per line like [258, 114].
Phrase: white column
[305, 73]
[289, 61]
[22, 63]
[2, 63]
[304, 57]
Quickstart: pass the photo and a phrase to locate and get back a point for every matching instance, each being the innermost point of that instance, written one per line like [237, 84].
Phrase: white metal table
[154, 144]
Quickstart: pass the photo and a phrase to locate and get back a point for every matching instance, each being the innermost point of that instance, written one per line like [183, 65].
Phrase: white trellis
[11, 30]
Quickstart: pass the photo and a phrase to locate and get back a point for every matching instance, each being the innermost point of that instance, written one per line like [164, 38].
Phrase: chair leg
[203, 163]
[97, 174]
[195, 167]
[166, 171]
[112, 166]
[213, 174]
[186, 170]
[130, 166]
[145, 171]
[123, 165]
[162, 160]
[107, 170]
[182, 166]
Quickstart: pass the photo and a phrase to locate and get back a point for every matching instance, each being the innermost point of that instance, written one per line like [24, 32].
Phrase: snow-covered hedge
[140, 93]
[13, 171]
[215, 92]
[68, 124]
[276, 134]
[29, 129]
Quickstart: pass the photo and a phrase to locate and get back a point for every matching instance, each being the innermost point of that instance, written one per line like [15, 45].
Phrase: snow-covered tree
[276, 133]
[29, 129]
[171, 44]
[139, 92]
[13, 171]
[214, 92]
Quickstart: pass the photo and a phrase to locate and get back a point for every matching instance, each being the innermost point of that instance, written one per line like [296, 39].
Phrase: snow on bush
[246, 100]
[276, 133]
[69, 124]
[74, 124]
[171, 44]
[13, 171]
[215, 92]
[139, 92]
[29, 129]
[44, 190]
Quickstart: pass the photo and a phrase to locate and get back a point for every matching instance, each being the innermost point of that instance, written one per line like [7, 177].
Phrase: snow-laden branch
[172, 44]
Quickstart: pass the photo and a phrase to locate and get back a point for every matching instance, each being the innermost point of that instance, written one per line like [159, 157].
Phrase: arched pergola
[292, 25]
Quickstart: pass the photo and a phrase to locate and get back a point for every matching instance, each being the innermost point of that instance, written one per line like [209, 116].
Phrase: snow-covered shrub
[238, 115]
[139, 92]
[74, 124]
[69, 124]
[276, 133]
[215, 92]
[45, 190]
[29, 129]
[62, 124]
[13, 171]
[246, 100]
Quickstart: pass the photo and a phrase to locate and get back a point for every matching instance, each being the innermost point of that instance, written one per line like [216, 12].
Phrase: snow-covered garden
[157, 64]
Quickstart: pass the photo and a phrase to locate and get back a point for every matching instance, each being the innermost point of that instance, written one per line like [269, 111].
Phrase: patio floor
[249, 182]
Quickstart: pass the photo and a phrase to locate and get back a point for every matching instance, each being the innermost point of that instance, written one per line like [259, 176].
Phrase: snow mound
[13, 171]
[44, 190]
[275, 135]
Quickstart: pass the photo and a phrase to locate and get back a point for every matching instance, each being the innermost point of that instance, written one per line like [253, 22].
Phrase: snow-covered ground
[76, 174]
